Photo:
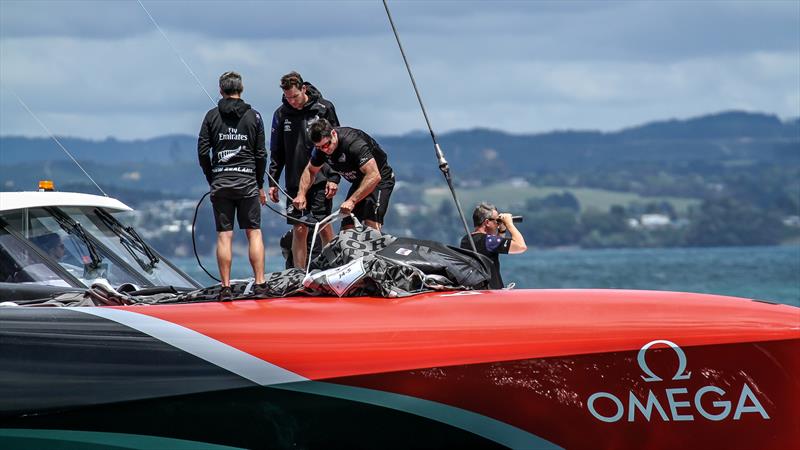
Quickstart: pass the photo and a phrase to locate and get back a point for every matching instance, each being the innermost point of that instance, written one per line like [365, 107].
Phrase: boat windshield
[21, 264]
[127, 245]
[69, 246]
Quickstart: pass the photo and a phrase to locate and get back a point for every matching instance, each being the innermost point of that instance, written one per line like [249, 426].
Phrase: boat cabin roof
[10, 201]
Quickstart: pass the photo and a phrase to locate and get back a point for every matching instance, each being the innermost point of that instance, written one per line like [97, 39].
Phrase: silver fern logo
[226, 155]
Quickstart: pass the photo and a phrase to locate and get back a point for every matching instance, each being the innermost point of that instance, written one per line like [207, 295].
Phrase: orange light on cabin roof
[46, 185]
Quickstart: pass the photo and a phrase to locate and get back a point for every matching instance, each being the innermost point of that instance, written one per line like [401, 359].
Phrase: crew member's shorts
[317, 206]
[246, 210]
[373, 206]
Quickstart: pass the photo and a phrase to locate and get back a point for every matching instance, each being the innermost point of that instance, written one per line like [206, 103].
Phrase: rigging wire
[199, 83]
[53, 137]
[213, 103]
[443, 166]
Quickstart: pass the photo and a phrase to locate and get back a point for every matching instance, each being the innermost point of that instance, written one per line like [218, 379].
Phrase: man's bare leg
[326, 234]
[372, 224]
[224, 256]
[256, 253]
[299, 245]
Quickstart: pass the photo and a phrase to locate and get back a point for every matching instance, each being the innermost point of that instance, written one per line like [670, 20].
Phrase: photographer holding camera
[489, 237]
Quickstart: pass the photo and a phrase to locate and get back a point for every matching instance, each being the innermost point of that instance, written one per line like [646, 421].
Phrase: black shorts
[317, 206]
[373, 206]
[247, 211]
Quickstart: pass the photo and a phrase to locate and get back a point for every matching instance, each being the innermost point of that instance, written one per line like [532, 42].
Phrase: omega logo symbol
[678, 399]
[679, 375]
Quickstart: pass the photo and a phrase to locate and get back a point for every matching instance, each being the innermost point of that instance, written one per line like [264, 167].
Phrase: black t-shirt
[491, 246]
[355, 149]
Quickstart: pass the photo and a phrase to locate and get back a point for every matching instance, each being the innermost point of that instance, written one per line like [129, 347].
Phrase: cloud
[95, 69]
[586, 28]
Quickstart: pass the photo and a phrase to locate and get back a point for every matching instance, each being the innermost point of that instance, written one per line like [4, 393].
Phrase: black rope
[194, 224]
[443, 166]
[194, 244]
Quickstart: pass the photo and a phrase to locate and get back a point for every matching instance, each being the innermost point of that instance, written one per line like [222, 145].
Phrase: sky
[98, 69]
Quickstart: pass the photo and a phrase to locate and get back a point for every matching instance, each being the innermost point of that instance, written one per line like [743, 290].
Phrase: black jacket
[290, 145]
[233, 134]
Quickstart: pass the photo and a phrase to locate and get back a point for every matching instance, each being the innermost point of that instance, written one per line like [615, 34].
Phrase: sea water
[762, 273]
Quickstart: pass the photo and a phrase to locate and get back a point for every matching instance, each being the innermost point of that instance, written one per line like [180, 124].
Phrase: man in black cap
[233, 135]
[290, 147]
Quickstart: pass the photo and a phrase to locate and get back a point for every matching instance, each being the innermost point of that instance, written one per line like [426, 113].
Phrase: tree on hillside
[564, 200]
[728, 221]
[551, 228]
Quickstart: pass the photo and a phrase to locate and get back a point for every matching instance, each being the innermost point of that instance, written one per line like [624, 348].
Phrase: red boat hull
[527, 368]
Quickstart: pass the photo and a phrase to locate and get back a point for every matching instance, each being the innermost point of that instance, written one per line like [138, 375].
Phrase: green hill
[511, 198]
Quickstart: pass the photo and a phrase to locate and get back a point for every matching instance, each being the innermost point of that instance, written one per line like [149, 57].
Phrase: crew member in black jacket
[291, 148]
[233, 135]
